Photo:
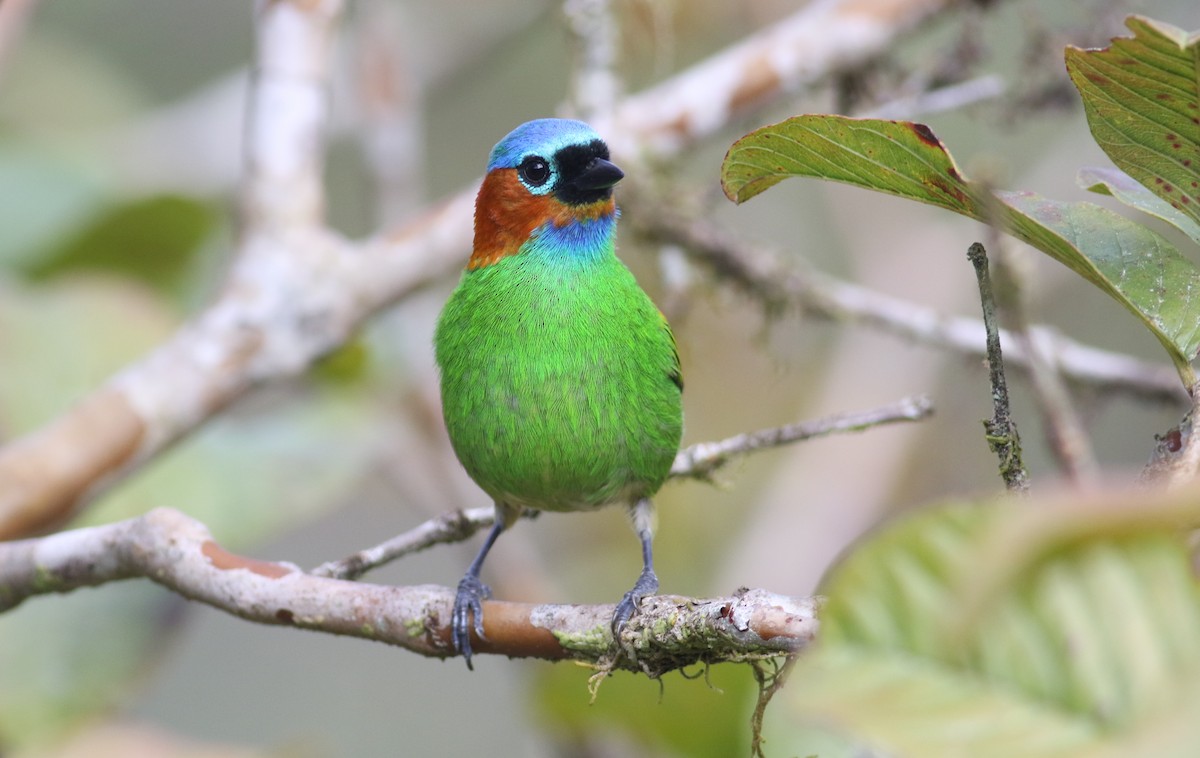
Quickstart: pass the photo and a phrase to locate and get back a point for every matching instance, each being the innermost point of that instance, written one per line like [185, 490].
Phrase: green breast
[559, 383]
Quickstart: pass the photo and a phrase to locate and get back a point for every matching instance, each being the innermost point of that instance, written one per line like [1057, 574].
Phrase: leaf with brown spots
[1136, 266]
[1142, 98]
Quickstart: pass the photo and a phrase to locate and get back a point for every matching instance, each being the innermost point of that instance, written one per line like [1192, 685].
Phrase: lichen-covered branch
[1002, 436]
[179, 553]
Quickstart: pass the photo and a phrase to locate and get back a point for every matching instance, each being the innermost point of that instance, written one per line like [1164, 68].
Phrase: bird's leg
[471, 594]
[647, 582]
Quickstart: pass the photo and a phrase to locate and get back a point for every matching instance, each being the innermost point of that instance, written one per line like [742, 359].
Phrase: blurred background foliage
[120, 127]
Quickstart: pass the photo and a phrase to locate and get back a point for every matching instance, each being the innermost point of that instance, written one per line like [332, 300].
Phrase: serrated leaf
[1068, 628]
[1142, 100]
[1136, 266]
[1122, 186]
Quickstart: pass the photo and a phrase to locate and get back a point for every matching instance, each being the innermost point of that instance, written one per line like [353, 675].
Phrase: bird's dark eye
[535, 171]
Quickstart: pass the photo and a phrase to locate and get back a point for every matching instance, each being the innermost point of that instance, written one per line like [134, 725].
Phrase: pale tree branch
[949, 98]
[288, 114]
[595, 85]
[298, 290]
[178, 552]
[389, 108]
[763, 274]
[456, 526]
[698, 461]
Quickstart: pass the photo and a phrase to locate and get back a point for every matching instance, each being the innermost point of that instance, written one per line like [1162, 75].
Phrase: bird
[560, 379]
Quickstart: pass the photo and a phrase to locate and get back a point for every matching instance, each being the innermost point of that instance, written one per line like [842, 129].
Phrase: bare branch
[289, 113]
[701, 460]
[389, 108]
[697, 461]
[595, 86]
[1063, 426]
[824, 37]
[456, 526]
[179, 553]
[1002, 436]
[763, 274]
[951, 97]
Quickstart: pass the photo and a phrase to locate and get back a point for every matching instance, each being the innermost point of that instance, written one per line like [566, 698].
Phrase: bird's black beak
[598, 175]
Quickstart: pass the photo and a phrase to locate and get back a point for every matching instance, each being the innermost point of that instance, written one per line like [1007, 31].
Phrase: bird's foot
[646, 585]
[467, 602]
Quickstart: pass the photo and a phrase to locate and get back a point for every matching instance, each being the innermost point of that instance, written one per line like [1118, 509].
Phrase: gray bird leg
[647, 582]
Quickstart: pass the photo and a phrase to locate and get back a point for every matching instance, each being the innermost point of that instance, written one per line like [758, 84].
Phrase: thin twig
[951, 97]
[178, 552]
[768, 685]
[698, 461]
[448, 528]
[701, 460]
[1002, 436]
[1068, 442]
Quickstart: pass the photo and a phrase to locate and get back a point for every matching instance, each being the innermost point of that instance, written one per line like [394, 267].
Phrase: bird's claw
[646, 585]
[468, 602]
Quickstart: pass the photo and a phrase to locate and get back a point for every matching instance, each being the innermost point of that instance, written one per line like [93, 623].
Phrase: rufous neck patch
[506, 214]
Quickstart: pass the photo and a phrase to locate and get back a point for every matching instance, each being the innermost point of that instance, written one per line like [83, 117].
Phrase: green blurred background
[120, 124]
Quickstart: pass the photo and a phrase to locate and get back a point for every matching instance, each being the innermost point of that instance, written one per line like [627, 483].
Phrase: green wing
[676, 372]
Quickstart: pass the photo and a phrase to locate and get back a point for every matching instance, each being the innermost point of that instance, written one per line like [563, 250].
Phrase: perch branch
[179, 553]
[699, 461]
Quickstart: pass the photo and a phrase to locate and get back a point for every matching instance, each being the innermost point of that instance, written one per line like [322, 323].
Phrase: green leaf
[153, 240]
[1142, 99]
[1136, 266]
[1068, 628]
[1118, 184]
